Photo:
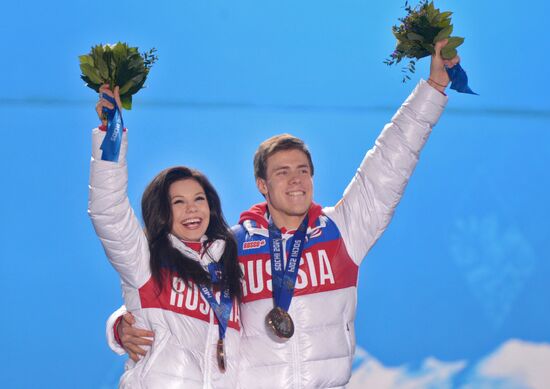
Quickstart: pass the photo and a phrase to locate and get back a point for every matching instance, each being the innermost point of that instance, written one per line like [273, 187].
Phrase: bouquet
[418, 32]
[117, 64]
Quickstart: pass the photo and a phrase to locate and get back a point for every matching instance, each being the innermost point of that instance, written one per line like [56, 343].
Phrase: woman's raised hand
[104, 103]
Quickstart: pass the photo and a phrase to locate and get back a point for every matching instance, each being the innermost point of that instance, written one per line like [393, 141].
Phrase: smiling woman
[190, 210]
[181, 203]
[188, 253]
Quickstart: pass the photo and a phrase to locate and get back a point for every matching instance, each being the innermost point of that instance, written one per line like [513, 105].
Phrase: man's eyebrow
[281, 167]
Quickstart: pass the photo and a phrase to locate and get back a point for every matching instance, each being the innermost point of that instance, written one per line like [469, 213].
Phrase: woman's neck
[193, 245]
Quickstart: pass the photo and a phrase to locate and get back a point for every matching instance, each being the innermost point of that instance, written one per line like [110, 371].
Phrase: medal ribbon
[222, 310]
[459, 79]
[285, 280]
[113, 138]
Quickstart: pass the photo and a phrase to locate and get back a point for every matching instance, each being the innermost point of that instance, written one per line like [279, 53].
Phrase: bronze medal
[220, 353]
[280, 322]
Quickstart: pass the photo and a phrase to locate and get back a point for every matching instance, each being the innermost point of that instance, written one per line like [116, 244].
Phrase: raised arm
[112, 216]
[369, 201]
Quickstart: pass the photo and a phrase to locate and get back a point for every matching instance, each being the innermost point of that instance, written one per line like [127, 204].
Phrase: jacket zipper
[294, 342]
[207, 351]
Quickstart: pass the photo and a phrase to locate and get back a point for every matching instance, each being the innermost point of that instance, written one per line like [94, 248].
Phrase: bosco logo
[255, 244]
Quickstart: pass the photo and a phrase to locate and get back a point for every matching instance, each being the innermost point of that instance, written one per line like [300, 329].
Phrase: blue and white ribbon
[115, 126]
[285, 280]
[459, 79]
[222, 310]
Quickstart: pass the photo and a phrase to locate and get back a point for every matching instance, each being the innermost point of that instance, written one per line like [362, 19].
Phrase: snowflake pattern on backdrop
[496, 260]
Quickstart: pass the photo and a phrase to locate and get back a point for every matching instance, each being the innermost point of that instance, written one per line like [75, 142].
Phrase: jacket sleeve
[113, 218]
[110, 328]
[369, 201]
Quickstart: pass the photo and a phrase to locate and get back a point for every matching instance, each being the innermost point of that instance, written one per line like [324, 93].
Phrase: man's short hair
[274, 144]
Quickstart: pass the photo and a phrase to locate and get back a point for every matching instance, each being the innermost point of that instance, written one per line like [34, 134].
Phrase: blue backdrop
[455, 293]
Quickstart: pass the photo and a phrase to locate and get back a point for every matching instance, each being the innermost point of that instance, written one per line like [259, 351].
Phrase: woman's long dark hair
[156, 210]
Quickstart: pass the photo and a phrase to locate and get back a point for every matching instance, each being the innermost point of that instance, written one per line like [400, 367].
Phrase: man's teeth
[296, 193]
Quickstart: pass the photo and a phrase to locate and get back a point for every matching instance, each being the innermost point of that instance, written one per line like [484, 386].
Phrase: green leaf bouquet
[420, 29]
[117, 64]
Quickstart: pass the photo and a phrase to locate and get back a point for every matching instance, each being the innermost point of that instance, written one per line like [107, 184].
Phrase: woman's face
[190, 210]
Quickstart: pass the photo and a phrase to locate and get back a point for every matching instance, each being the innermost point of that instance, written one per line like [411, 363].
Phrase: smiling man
[300, 261]
[284, 175]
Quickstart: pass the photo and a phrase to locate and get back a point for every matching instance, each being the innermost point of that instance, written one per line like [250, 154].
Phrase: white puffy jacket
[183, 354]
[320, 353]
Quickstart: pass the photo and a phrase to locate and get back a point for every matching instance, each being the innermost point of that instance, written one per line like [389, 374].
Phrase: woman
[170, 273]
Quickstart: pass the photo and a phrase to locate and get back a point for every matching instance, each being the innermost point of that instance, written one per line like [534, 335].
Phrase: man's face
[288, 186]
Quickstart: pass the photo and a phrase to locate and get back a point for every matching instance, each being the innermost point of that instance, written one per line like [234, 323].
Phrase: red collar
[258, 212]
[195, 246]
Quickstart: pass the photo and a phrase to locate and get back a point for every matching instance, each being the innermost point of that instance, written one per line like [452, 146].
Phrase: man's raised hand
[439, 79]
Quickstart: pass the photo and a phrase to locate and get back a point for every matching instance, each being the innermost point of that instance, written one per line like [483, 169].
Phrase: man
[300, 334]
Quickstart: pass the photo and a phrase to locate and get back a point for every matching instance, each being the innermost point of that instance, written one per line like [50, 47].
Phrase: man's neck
[287, 222]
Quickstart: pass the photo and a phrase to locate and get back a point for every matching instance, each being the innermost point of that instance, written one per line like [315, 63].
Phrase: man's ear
[262, 186]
